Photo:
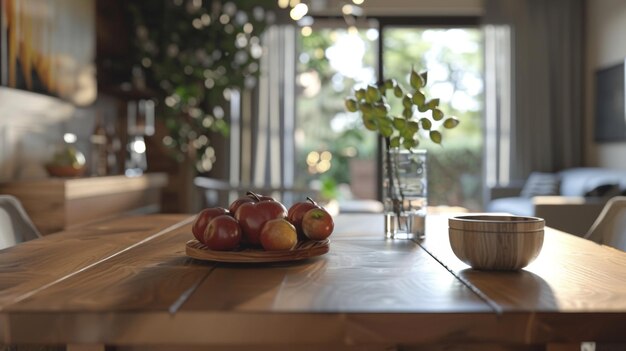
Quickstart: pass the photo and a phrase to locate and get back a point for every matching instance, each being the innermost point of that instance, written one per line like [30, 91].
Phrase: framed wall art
[48, 47]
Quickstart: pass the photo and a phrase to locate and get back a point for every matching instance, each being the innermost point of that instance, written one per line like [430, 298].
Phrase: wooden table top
[128, 282]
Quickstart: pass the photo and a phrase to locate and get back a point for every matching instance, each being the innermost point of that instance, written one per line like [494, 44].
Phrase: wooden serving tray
[303, 250]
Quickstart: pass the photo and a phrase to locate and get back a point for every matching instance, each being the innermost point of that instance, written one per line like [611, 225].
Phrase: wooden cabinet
[56, 204]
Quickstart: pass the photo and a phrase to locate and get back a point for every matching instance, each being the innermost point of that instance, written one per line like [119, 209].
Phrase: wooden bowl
[65, 171]
[492, 242]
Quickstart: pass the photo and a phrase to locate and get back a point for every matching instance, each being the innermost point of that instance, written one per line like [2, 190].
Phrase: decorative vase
[405, 193]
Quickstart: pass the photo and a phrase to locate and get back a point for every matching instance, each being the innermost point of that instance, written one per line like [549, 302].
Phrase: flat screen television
[610, 118]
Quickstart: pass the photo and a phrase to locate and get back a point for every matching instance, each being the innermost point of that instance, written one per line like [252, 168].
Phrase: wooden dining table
[128, 283]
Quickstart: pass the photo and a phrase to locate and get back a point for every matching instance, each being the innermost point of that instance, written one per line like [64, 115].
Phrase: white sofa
[570, 203]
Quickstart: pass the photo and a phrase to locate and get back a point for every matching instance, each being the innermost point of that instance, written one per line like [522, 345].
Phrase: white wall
[31, 126]
[606, 46]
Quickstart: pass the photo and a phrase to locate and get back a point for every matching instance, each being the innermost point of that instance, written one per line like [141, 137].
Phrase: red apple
[250, 197]
[278, 234]
[234, 206]
[260, 197]
[223, 233]
[253, 215]
[317, 224]
[203, 218]
[297, 211]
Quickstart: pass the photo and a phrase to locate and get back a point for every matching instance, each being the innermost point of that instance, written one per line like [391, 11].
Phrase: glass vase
[405, 193]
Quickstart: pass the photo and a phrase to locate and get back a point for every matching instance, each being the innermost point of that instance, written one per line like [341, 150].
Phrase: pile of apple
[260, 221]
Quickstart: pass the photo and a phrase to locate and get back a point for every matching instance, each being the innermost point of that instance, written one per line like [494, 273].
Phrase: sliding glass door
[335, 153]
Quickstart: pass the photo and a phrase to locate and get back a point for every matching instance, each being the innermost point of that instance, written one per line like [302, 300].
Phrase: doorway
[334, 151]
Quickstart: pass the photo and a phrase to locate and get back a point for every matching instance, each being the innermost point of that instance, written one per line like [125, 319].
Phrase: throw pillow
[604, 190]
[539, 184]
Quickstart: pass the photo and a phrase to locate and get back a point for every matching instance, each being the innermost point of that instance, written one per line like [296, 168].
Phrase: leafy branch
[405, 130]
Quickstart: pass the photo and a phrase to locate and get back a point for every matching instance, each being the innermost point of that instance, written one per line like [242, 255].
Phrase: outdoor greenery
[454, 75]
[319, 102]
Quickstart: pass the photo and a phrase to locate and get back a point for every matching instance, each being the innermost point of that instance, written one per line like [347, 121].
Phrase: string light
[319, 162]
[298, 11]
[306, 31]
[69, 138]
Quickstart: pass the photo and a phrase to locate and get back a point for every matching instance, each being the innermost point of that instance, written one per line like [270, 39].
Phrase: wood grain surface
[355, 276]
[496, 250]
[151, 274]
[56, 204]
[33, 265]
[570, 274]
[129, 282]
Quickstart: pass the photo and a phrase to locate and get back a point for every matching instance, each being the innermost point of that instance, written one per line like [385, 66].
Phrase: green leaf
[437, 114]
[394, 142]
[360, 94]
[409, 144]
[222, 127]
[407, 112]
[380, 109]
[385, 126]
[372, 94]
[435, 136]
[412, 127]
[406, 101]
[369, 123]
[351, 105]
[424, 76]
[451, 123]
[418, 98]
[397, 91]
[426, 123]
[432, 104]
[407, 134]
[415, 80]
[386, 130]
[384, 120]
[390, 83]
[399, 123]
[422, 108]
[367, 108]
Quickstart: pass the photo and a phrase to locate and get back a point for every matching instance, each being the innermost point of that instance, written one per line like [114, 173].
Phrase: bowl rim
[496, 218]
[496, 223]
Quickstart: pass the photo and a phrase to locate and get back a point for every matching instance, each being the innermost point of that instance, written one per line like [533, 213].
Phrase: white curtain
[266, 127]
[545, 100]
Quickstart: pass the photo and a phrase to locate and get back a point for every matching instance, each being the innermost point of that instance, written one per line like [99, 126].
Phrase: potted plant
[193, 55]
[420, 118]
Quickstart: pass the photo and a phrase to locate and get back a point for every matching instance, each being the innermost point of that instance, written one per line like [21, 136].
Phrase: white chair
[610, 226]
[15, 225]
